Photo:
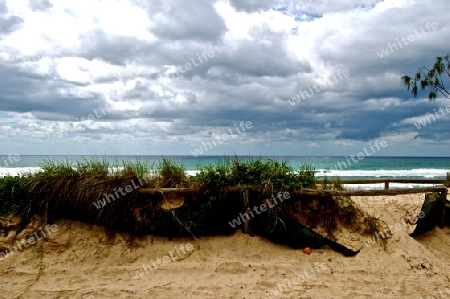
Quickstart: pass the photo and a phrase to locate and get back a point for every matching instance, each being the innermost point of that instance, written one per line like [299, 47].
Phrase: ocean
[331, 166]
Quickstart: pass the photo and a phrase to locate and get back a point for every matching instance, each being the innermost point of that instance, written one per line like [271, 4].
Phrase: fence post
[246, 204]
[443, 203]
[386, 184]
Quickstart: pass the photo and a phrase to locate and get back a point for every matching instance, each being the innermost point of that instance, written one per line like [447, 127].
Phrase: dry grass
[70, 189]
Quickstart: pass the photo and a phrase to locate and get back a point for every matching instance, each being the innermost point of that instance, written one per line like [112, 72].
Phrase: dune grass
[13, 194]
[255, 172]
[65, 189]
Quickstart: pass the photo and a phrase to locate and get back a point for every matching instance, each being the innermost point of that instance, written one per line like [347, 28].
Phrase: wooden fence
[387, 181]
[442, 190]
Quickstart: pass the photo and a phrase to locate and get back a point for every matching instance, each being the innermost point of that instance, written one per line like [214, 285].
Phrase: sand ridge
[86, 261]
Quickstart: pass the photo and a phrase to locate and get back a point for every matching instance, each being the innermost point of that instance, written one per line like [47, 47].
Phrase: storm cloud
[173, 74]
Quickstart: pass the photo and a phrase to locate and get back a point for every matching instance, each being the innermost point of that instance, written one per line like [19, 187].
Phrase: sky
[246, 77]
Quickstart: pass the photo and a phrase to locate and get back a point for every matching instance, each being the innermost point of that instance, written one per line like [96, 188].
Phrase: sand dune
[85, 261]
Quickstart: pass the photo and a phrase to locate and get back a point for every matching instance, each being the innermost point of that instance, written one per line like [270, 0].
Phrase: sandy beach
[86, 261]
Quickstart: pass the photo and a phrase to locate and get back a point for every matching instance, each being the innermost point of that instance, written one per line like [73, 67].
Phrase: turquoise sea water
[369, 167]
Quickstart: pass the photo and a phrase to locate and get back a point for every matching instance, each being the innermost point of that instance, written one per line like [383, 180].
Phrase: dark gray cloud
[252, 5]
[40, 5]
[8, 24]
[196, 20]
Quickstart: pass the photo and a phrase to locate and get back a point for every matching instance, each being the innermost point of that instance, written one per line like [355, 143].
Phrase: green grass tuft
[170, 174]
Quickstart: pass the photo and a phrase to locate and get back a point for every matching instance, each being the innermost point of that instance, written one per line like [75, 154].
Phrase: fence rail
[308, 191]
[417, 181]
[442, 190]
[390, 180]
[303, 191]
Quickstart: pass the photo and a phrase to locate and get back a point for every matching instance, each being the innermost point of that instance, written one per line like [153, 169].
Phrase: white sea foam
[15, 171]
[192, 172]
[4, 171]
[419, 173]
